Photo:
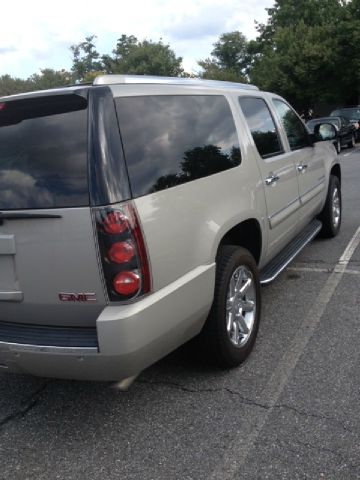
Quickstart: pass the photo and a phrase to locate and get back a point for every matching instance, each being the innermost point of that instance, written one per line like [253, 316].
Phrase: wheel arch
[336, 171]
[246, 234]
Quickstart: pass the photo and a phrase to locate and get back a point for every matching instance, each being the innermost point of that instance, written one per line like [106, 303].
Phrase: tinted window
[293, 126]
[169, 140]
[261, 125]
[350, 113]
[43, 152]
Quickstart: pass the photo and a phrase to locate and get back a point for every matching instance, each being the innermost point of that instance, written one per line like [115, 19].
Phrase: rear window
[262, 126]
[43, 152]
[170, 140]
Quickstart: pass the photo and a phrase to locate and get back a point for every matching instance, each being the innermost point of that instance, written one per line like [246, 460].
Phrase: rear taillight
[123, 252]
[126, 283]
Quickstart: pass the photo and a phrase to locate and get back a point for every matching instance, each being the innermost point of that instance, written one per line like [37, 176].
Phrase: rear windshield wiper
[24, 216]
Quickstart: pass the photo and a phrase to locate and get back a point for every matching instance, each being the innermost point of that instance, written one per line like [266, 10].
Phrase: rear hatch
[49, 271]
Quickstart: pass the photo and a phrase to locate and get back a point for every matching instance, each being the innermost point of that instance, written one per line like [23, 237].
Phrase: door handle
[302, 167]
[271, 179]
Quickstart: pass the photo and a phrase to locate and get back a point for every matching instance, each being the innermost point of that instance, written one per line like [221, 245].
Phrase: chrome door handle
[302, 167]
[271, 179]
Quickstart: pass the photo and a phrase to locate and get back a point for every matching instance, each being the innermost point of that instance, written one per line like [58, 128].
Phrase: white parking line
[238, 451]
[321, 270]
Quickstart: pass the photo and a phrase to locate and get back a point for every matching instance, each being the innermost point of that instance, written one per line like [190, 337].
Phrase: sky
[37, 34]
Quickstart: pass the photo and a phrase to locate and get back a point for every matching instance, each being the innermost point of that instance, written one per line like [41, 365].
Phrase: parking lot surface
[292, 411]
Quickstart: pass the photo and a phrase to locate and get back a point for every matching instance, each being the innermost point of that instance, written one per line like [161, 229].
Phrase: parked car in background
[346, 131]
[139, 212]
[352, 114]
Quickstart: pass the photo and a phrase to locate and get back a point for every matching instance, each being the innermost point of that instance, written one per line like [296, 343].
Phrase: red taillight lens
[126, 283]
[2, 106]
[121, 252]
[115, 223]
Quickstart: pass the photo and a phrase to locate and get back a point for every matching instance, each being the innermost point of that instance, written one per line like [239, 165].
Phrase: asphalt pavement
[292, 411]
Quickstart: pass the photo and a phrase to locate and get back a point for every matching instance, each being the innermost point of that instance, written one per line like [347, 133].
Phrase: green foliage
[230, 59]
[49, 78]
[10, 85]
[307, 52]
[86, 59]
[146, 57]
[212, 71]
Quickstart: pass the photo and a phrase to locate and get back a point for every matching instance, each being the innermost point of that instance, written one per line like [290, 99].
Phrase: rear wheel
[331, 214]
[231, 328]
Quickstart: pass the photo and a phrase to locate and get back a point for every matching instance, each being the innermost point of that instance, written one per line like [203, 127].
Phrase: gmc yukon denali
[137, 213]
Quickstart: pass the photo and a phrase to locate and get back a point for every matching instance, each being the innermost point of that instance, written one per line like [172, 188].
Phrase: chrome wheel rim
[336, 207]
[240, 306]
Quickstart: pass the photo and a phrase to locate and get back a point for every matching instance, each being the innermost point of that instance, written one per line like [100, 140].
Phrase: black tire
[331, 226]
[214, 338]
[351, 144]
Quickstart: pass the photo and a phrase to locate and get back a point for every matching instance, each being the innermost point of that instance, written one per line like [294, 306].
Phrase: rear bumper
[130, 337]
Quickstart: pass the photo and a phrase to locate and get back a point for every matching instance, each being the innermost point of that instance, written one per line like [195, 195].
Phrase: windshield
[43, 152]
[352, 114]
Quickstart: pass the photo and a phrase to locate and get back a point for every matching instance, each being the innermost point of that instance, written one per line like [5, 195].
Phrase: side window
[261, 125]
[172, 139]
[294, 128]
[345, 121]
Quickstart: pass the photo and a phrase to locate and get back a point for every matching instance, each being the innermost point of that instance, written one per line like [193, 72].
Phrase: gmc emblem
[77, 297]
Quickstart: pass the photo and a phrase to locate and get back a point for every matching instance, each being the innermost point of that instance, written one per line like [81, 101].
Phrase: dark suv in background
[352, 114]
[346, 131]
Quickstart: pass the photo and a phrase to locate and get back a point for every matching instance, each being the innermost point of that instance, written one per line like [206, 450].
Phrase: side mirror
[324, 131]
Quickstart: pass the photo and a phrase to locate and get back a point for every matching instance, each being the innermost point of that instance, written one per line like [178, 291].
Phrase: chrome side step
[282, 260]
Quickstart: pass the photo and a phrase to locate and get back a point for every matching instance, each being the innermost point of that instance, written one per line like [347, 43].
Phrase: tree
[301, 52]
[86, 59]
[142, 58]
[49, 78]
[348, 64]
[11, 85]
[230, 59]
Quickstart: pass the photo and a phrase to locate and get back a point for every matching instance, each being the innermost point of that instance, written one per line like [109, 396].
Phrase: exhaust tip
[124, 384]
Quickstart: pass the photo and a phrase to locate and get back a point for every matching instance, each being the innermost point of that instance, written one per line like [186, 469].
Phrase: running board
[282, 260]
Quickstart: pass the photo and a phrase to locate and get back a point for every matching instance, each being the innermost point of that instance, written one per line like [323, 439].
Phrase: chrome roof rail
[148, 79]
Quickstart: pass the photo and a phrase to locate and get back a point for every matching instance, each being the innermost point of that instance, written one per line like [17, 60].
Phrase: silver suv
[139, 212]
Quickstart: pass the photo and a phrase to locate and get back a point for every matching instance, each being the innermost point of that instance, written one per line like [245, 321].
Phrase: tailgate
[46, 267]
[49, 273]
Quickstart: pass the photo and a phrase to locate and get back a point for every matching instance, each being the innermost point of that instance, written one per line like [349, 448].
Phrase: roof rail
[118, 79]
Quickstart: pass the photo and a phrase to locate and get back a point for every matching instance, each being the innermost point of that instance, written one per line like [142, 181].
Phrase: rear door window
[173, 139]
[262, 126]
[43, 152]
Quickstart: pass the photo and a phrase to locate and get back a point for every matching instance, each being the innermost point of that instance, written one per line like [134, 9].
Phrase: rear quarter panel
[184, 225]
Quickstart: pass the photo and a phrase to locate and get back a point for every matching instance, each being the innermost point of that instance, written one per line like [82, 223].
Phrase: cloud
[5, 50]
[41, 39]
[208, 24]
